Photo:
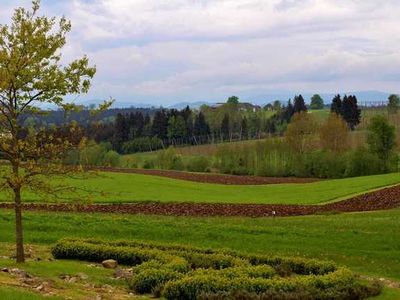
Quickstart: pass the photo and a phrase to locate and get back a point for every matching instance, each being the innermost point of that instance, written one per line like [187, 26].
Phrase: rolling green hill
[124, 188]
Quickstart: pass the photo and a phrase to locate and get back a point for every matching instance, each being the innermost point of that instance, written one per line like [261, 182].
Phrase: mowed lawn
[366, 242]
[118, 187]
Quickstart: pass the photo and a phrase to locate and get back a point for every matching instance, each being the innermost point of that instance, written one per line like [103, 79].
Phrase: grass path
[124, 188]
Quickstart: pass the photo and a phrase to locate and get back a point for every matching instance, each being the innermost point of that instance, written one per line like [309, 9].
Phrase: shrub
[147, 280]
[198, 164]
[169, 160]
[361, 162]
[340, 284]
[111, 159]
[324, 164]
[182, 272]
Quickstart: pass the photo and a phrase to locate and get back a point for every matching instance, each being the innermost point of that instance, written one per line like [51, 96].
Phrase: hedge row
[178, 272]
[340, 284]
[301, 266]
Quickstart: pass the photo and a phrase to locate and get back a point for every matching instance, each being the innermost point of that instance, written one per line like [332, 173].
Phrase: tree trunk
[18, 226]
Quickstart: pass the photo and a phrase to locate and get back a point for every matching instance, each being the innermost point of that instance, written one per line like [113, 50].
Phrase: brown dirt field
[209, 177]
[386, 198]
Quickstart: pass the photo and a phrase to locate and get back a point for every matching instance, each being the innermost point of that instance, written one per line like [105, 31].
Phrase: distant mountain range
[261, 99]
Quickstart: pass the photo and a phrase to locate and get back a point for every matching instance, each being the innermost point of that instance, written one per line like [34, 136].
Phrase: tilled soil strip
[209, 177]
[386, 198]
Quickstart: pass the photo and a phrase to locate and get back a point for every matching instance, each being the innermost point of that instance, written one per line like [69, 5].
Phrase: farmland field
[124, 188]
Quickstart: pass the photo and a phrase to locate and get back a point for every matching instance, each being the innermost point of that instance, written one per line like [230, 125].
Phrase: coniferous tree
[299, 105]
[201, 127]
[121, 131]
[138, 124]
[225, 127]
[131, 121]
[244, 129]
[336, 106]
[350, 111]
[186, 113]
[160, 124]
[288, 112]
[147, 129]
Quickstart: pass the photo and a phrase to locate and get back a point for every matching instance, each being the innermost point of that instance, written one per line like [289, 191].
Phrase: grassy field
[117, 187]
[366, 242]
[10, 293]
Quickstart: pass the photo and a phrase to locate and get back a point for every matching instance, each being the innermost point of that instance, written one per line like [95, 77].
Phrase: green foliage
[198, 164]
[381, 139]
[321, 164]
[147, 280]
[96, 155]
[233, 100]
[213, 271]
[176, 127]
[362, 162]
[169, 160]
[340, 284]
[111, 159]
[317, 102]
[393, 103]
[142, 144]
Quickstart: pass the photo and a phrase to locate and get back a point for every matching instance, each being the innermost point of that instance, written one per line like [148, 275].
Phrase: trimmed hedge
[181, 272]
[147, 280]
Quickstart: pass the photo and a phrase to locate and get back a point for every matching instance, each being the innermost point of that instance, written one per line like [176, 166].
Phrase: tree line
[137, 132]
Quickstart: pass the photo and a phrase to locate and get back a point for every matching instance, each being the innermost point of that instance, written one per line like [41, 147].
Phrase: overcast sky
[167, 51]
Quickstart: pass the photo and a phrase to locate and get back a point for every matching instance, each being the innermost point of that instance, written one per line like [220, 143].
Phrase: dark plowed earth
[209, 177]
[379, 200]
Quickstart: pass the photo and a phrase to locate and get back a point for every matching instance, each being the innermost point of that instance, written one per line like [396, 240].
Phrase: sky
[160, 52]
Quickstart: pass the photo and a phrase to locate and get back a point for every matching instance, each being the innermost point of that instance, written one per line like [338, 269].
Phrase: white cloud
[203, 49]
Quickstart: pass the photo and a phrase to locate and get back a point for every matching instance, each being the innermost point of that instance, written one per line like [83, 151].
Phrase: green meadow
[124, 188]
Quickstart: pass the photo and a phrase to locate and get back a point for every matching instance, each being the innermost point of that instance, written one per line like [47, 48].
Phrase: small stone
[110, 264]
[40, 288]
[82, 276]
[19, 273]
[5, 270]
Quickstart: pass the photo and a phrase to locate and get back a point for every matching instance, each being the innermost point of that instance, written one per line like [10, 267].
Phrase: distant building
[243, 106]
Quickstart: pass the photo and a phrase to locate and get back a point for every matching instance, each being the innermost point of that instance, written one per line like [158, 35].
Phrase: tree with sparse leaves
[31, 74]
[300, 132]
[334, 134]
